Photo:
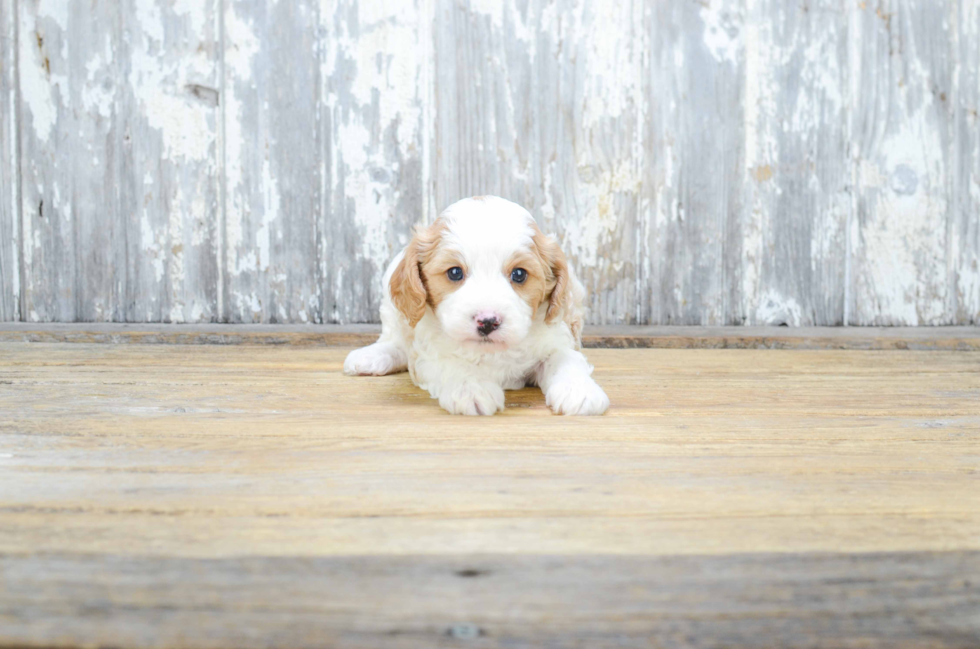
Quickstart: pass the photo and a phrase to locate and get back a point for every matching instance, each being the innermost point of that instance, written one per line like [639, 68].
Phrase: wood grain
[9, 167]
[901, 131]
[734, 162]
[796, 162]
[271, 162]
[373, 143]
[49, 255]
[609, 336]
[119, 161]
[541, 103]
[750, 601]
[693, 239]
[963, 294]
[215, 496]
[168, 158]
[803, 451]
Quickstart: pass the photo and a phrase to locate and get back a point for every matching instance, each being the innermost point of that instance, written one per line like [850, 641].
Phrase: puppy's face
[485, 270]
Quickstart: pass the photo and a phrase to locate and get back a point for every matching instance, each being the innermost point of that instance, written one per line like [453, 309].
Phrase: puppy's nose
[487, 323]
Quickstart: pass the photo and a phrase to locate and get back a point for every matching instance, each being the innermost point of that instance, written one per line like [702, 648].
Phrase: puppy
[481, 302]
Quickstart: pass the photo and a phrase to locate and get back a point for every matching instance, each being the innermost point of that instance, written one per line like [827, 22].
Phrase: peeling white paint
[198, 313]
[195, 11]
[150, 21]
[821, 74]
[753, 251]
[242, 46]
[547, 209]
[96, 96]
[759, 104]
[599, 219]
[759, 146]
[201, 214]
[493, 9]
[903, 243]
[270, 214]
[387, 36]
[175, 255]
[608, 54]
[386, 71]
[372, 210]
[249, 303]
[609, 142]
[776, 310]
[159, 90]
[56, 10]
[151, 246]
[722, 31]
[41, 91]
[10, 165]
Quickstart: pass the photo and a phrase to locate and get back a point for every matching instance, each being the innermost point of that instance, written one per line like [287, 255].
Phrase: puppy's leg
[565, 378]
[472, 398]
[390, 354]
[459, 386]
[383, 357]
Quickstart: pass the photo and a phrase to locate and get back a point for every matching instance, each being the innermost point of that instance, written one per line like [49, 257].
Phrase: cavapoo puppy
[481, 302]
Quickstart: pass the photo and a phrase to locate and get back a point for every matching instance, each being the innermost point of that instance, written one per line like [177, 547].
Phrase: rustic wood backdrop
[703, 162]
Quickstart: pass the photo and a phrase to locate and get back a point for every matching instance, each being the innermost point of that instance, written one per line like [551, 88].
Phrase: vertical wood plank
[9, 167]
[51, 182]
[964, 234]
[272, 161]
[797, 169]
[901, 134]
[694, 152]
[541, 103]
[166, 160]
[373, 133]
[118, 156]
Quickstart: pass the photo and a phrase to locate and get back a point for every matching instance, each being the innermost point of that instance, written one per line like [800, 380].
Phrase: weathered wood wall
[713, 162]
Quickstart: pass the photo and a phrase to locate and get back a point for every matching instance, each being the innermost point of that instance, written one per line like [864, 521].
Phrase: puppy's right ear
[407, 287]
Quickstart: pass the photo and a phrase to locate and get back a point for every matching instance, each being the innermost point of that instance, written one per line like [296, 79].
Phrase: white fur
[444, 353]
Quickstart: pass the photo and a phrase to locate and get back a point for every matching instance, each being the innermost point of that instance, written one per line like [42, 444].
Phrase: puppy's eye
[455, 274]
[518, 275]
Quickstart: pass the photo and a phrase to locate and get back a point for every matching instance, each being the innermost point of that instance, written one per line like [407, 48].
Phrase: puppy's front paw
[473, 399]
[580, 396]
[374, 360]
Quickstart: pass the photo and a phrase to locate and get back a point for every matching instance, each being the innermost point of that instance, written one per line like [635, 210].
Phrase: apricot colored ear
[407, 288]
[555, 259]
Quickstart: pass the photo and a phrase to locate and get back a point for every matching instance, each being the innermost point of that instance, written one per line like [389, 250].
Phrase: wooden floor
[253, 496]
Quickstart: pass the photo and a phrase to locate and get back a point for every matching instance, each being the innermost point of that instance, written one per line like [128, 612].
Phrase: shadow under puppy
[481, 302]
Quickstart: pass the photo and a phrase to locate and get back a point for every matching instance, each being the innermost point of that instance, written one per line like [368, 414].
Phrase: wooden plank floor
[253, 496]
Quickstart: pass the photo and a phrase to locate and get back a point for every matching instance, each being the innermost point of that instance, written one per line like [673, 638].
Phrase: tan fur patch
[540, 279]
[554, 259]
[561, 297]
[408, 290]
[434, 270]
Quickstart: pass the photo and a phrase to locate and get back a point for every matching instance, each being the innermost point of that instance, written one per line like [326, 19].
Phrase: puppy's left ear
[561, 294]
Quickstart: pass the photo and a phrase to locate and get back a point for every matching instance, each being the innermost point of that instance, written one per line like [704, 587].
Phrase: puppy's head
[486, 271]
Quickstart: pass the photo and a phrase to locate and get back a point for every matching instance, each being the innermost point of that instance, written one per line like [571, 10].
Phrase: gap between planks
[617, 337]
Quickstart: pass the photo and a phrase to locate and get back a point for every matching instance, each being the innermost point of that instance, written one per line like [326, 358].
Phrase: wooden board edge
[792, 600]
[738, 341]
[817, 338]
